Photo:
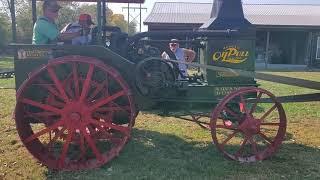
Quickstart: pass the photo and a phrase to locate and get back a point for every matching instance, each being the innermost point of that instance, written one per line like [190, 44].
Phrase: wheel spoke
[57, 135]
[229, 138]
[104, 134]
[56, 103]
[265, 137]
[124, 108]
[268, 112]
[253, 108]
[49, 87]
[97, 90]
[240, 150]
[92, 145]
[82, 146]
[58, 84]
[225, 127]
[99, 128]
[67, 85]
[44, 131]
[76, 80]
[66, 147]
[124, 130]
[41, 114]
[113, 109]
[41, 106]
[107, 100]
[92, 131]
[270, 124]
[231, 112]
[86, 85]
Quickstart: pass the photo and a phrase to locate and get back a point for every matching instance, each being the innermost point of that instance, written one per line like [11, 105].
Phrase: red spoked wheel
[245, 128]
[74, 113]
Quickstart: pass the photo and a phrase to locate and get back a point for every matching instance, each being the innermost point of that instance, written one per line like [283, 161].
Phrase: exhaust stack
[226, 14]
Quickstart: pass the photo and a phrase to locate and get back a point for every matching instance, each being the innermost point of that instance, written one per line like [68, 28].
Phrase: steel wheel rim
[75, 119]
[249, 128]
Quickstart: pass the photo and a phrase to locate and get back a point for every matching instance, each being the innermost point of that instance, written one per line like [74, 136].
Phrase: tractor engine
[236, 51]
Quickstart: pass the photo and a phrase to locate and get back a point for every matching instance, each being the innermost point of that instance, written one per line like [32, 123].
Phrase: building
[290, 33]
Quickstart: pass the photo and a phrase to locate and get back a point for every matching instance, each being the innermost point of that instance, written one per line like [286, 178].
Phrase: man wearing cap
[182, 54]
[45, 31]
[83, 26]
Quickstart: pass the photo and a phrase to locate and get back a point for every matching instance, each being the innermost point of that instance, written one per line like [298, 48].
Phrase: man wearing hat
[83, 26]
[45, 31]
[182, 54]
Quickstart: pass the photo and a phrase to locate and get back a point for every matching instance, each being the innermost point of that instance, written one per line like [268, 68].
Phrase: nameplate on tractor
[24, 54]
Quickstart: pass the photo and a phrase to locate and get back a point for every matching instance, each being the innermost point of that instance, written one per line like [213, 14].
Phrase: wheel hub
[250, 126]
[75, 116]
[76, 113]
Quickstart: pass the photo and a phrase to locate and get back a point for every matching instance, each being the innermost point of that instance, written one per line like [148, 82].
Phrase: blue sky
[117, 8]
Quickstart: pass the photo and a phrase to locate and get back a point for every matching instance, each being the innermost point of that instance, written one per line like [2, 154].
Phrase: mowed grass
[166, 148]
[6, 62]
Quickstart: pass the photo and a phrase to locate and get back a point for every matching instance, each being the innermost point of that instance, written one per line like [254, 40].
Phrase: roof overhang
[267, 15]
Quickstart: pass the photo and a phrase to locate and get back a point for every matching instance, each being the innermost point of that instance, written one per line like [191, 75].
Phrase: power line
[135, 13]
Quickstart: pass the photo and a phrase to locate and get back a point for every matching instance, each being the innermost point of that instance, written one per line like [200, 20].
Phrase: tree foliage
[4, 29]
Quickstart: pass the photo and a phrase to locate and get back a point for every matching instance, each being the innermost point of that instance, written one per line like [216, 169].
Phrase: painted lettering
[231, 54]
[223, 91]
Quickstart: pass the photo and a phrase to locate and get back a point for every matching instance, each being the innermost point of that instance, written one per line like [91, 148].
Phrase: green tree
[24, 23]
[118, 20]
[88, 9]
[67, 14]
[4, 30]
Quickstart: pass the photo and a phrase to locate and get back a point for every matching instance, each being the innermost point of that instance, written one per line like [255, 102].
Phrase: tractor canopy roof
[110, 1]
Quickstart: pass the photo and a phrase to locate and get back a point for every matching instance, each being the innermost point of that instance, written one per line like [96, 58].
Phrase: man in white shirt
[182, 54]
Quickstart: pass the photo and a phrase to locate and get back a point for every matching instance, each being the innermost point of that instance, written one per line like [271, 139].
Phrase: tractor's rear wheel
[254, 131]
[74, 113]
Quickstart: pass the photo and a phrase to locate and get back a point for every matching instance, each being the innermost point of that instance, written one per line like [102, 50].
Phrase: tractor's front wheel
[74, 113]
[248, 125]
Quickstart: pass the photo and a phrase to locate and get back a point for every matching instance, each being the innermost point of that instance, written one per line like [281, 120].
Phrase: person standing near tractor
[45, 31]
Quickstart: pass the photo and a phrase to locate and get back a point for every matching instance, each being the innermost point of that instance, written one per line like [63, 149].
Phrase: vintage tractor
[76, 105]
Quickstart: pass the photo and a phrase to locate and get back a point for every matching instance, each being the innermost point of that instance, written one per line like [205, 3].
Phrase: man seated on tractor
[83, 26]
[182, 54]
[45, 31]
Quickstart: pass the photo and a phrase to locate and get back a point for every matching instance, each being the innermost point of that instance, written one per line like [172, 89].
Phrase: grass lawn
[165, 148]
[6, 62]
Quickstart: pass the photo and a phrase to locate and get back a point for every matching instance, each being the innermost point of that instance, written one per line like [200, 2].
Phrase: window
[318, 48]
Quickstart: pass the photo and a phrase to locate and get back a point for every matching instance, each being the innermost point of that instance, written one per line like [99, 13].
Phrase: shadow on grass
[152, 155]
